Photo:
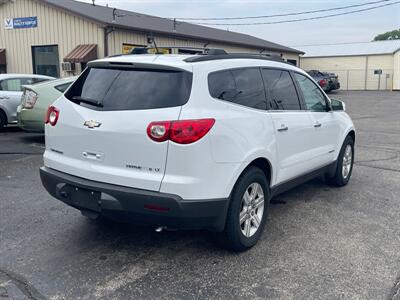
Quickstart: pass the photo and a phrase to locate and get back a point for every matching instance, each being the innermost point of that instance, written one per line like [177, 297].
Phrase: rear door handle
[317, 124]
[283, 128]
[4, 97]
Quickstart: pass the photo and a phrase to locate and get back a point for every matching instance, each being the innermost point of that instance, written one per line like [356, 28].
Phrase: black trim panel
[135, 205]
[200, 58]
[287, 185]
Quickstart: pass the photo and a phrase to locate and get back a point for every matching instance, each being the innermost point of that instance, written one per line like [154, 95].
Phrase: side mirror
[338, 105]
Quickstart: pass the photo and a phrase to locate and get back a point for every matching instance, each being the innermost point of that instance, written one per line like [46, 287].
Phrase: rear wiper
[79, 99]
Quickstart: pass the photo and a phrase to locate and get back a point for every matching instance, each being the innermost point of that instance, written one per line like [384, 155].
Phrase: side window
[222, 85]
[62, 87]
[25, 81]
[282, 92]
[313, 96]
[37, 80]
[241, 86]
[11, 85]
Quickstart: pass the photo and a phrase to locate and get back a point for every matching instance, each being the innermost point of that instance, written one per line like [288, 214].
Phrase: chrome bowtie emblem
[92, 124]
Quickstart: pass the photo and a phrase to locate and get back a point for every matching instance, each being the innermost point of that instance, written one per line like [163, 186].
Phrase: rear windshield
[130, 89]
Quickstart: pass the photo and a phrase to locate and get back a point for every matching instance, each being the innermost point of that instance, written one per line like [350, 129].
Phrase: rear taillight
[29, 99]
[190, 131]
[181, 132]
[322, 82]
[52, 116]
[159, 131]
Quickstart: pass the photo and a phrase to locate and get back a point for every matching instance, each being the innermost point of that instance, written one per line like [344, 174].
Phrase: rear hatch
[103, 117]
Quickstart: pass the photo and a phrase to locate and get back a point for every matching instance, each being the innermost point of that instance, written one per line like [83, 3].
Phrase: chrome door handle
[4, 97]
[283, 128]
[317, 124]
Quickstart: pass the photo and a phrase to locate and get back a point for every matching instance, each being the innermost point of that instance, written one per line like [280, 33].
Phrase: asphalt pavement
[320, 242]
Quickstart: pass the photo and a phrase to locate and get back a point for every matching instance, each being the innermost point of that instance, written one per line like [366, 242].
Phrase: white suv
[192, 141]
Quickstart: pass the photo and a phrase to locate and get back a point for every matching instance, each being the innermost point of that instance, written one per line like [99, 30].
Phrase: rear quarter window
[131, 89]
[242, 86]
[62, 87]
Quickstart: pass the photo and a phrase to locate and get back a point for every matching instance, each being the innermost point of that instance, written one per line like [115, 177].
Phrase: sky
[359, 27]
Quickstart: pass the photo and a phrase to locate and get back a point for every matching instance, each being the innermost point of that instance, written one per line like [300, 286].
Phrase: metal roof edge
[349, 55]
[129, 28]
[205, 39]
[94, 20]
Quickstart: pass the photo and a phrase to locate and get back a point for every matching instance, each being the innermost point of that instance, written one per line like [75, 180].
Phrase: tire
[342, 176]
[3, 119]
[253, 179]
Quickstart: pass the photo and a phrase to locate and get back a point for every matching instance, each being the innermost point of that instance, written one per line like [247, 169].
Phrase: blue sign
[20, 23]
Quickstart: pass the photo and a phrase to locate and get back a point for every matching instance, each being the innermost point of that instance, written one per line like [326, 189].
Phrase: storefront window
[45, 60]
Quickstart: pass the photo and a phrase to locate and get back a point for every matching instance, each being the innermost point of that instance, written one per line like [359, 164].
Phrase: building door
[45, 60]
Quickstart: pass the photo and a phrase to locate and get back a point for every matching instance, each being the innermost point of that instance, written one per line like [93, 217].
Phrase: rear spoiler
[132, 65]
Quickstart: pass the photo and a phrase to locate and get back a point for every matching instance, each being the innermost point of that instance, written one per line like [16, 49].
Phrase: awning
[82, 54]
[3, 57]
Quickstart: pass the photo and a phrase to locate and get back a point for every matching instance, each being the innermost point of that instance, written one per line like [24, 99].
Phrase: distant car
[11, 92]
[35, 101]
[321, 79]
[327, 81]
[333, 81]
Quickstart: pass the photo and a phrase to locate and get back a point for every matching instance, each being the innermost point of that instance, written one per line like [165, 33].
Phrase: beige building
[58, 37]
[359, 66]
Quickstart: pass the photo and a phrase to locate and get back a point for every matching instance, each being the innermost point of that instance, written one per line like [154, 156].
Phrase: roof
[82, 53]
[52, 82]
[180, 61]
[352, 49]
[152, 24]
[16, 75]
[3, 57]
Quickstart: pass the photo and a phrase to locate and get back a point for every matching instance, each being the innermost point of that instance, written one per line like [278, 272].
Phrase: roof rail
[206, 54]
[207, 57]
[145, 50]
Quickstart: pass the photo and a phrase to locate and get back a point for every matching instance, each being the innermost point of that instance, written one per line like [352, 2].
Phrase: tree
[390, 35]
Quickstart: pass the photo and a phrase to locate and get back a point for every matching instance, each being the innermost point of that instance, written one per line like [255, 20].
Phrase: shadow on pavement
[136, 239]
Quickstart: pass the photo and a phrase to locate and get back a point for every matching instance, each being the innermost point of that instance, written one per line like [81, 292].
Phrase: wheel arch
[349, 132]
[2, 112]
[352, 133]
[263, 164]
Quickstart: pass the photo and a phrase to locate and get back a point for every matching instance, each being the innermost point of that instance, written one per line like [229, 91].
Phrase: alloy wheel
[347, 161]
[252, 209]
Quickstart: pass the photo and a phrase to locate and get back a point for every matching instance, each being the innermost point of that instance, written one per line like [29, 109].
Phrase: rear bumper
[133, 205]
[29, 121]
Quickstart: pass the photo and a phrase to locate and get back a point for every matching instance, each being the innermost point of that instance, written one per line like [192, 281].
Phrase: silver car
[11, 92]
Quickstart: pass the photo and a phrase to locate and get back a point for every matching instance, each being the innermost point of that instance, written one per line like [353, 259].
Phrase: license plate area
[84, 198]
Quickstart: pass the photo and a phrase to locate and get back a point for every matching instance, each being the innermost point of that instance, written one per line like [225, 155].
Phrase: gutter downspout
[107, 31]
[366, 73]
